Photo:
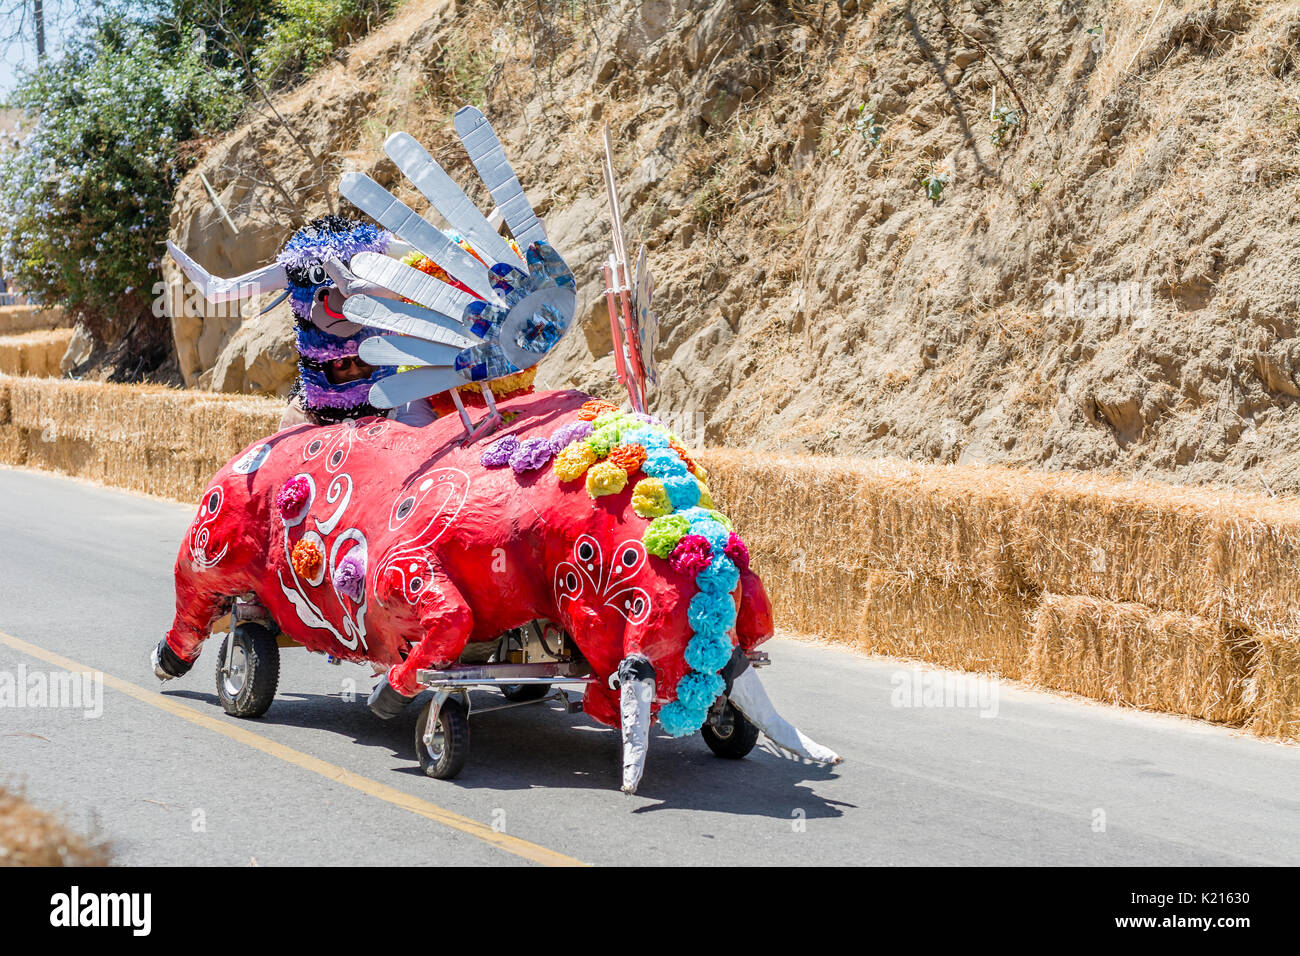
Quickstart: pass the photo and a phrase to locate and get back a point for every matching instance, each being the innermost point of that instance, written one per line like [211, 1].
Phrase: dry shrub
[1130, 654]
[31, 837]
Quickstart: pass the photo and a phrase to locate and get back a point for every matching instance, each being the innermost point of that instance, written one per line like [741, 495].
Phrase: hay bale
[967, 627]
[1126, 653]
[34, 353]
[1273, 688]
[832, 515]
[156, 440]
[17, 319]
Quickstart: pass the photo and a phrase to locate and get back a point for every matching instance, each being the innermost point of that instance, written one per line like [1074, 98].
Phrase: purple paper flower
[350, 575]
[532, 453]
[566, 435]
[499, 452]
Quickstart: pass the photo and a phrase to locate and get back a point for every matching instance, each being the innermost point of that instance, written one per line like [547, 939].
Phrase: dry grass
[34, 353]
[31, 837]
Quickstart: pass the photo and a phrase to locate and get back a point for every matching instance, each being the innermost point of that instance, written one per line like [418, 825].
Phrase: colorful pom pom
[710, 613]
[292, 495]
[498, 453]
[566, 435]
[663, 534]
[717, 533]
[708, 653]
[350, 575]
[628, 457]
[530, 454]
[737, 552]
[699, 691]
[692, 555]
[722, 519]
[662, 463]
[649, 499]
[306, 559]
[720, 577]
[573, 462]
[678, 720]
[683, 490]
[605, 478]
[594, 408]
[706, 499]
[600, 444]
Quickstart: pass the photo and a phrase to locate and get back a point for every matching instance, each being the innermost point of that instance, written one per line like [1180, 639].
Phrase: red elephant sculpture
[374, 541]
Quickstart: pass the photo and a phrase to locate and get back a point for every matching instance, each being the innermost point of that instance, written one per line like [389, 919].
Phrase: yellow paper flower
[650, 499]
[573, 461]
[706, 499]
[605, 478]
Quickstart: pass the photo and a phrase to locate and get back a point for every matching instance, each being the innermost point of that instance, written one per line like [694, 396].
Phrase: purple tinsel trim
[566, 435]
[343, 349]
[498, 453]
[532, 453]
[341, 396]
[350, 575]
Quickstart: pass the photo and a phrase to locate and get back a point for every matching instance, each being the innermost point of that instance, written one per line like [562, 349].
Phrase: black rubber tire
[252, 696]
[733, 737]
[519, 693]
[455, 736]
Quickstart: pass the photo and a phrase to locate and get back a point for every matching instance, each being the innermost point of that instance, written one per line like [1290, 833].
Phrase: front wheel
[442, 753]
[731, 735]
[248, 670]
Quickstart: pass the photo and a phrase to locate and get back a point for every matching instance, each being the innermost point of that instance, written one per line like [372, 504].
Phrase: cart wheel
[248, 670]
[732, 736]
[445, 755]
[520, 693]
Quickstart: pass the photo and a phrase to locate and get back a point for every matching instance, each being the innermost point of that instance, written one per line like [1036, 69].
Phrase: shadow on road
[541, 747]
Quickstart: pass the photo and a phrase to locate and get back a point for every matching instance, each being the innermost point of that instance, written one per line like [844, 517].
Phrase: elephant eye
[629, 557]
[318, 275]
[416, 583]
[585, 551]
[571, 581]
[214, 499]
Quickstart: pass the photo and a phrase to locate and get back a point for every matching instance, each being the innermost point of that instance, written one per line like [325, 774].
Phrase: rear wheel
[443, 753]
[248, 670]
[731, 735]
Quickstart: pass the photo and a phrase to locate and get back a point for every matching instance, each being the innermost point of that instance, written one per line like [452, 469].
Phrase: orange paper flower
[681, 453]
[627, 457]
[593, 409]
[307, 559]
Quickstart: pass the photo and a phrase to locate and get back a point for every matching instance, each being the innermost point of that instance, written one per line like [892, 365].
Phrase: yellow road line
[431, 811]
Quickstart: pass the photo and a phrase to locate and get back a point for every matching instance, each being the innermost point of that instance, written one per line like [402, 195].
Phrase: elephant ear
[517, 307]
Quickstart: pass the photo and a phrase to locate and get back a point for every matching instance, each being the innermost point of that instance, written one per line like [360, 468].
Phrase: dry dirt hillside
[853, 254]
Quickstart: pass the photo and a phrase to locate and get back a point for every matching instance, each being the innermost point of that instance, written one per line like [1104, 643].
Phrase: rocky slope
[852, 254]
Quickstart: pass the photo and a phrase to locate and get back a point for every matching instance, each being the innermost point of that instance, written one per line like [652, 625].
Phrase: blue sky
[60, 22]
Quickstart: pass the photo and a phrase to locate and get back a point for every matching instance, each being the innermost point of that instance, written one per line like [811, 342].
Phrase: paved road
[170, 779]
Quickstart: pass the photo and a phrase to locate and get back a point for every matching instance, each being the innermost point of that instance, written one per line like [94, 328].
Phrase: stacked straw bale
[1176, 599]
[1167, 598]
[156, 440]
[34, 353]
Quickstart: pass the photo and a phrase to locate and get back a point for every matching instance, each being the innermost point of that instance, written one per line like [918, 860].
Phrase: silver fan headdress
[518, 307]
